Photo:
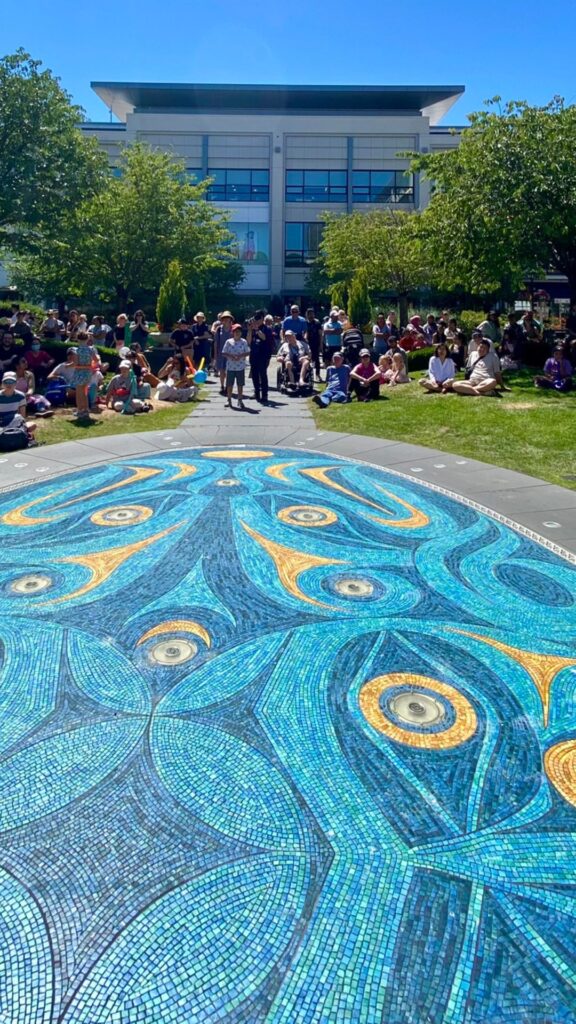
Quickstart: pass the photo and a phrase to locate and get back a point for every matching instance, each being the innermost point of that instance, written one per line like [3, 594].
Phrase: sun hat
[226, 314]
[196, 315]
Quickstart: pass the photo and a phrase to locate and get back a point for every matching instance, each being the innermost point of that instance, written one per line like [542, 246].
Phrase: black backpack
[14, 436]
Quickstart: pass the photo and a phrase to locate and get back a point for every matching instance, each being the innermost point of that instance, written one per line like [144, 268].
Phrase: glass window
[384, 187]
[302, 241]
[316, 186]
[239, 185]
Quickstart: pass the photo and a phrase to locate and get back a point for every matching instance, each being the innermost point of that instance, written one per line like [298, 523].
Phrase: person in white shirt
[294, 355]
[486, 374]
[441, 371]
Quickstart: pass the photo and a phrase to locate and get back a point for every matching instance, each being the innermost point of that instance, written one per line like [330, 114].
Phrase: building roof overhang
[124, 98]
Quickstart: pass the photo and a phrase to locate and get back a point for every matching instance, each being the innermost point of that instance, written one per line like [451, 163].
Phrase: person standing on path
[261, 341]
[313, 336]
[235, 351]
[222, 334]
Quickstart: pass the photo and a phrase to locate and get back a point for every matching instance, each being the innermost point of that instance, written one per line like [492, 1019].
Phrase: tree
[385, 245]
[47, 165]
[504, 201]
[171, 297]
[359, 307]
[123, 238]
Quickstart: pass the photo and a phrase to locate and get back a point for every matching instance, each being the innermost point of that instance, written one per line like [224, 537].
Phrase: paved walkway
[540, 508]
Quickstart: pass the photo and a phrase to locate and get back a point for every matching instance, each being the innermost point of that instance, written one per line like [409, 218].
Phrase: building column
[350, 165]
[276, 211]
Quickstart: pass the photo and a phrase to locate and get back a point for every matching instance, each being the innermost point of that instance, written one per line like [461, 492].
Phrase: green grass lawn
[62, 427]
[527, 430]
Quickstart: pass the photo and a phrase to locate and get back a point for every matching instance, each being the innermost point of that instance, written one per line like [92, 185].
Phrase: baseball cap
[364, 352]
[291, 333]
[125, 365]
[9, 377]
[236, 327]
[182, 320]
[125, 351]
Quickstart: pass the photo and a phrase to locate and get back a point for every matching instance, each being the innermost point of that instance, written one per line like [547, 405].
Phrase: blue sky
[518, 50]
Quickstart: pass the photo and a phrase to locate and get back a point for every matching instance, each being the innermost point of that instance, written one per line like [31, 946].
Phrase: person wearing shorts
[235, 351]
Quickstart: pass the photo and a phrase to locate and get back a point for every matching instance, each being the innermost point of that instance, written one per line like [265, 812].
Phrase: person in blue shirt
[295, 323]
[337, 380]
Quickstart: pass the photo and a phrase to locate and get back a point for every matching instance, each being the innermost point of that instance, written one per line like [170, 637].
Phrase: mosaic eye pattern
[292, 740]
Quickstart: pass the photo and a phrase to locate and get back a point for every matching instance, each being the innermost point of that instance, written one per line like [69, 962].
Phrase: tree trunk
[121, 298]
[403, 310]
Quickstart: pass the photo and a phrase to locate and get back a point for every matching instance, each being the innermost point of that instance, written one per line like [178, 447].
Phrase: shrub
[468, 319]
[57, 350]
[419, 359]
[339, 295]
[359, 308]
[171, 297]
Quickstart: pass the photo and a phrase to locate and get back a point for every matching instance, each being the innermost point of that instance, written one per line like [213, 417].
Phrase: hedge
[58, 349]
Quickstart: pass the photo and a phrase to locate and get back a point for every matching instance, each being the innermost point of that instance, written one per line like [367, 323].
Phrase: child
[385, 367]
[235, 351]
[398, 375]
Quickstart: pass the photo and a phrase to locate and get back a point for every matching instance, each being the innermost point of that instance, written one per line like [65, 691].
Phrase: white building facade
[280, 156]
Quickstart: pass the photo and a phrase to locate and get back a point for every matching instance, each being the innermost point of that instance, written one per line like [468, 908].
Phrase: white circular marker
[553, 526]
[439, 465]
[20, 465]
[415, 469]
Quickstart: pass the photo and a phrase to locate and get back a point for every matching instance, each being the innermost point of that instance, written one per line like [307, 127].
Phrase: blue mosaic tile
[284, 738]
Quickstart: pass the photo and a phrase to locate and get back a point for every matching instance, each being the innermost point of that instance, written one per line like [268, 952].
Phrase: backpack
[14, 436]
[56, 392]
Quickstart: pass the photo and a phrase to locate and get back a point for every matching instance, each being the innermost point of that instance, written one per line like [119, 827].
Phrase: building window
[302, 241]
[192, 175]
[382, 187]
[239, 186]
[316, 186]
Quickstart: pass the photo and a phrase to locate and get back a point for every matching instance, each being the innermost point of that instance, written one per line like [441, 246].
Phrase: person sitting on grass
[399, 374]
[36, 405]
[176, 381]
[365, 378]
[39, 360]
[235, 351]
[337, 381]
[441, 371]
[485, 376]
[294, 355]
[64, 373]
[122, 393]
[385, 368]
[13, 408]
[557, 372]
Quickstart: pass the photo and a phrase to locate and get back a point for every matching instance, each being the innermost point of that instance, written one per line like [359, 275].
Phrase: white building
[281, 155]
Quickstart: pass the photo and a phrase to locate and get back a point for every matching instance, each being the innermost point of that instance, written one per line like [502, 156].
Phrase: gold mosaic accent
[277, 471]
[177, 626]
[542, 668]
[18, 517]
[462, 728]
[290, 564]
[142, 514]
[560, 767]
[102, 564]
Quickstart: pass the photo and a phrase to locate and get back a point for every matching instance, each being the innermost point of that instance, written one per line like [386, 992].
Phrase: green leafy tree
[47, 165]
[504, 201]
[359, 306]
[171, 297]
[386, 246]
[122, 239]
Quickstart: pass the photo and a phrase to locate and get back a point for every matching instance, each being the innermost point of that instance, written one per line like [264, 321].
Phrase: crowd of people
[306, 350]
